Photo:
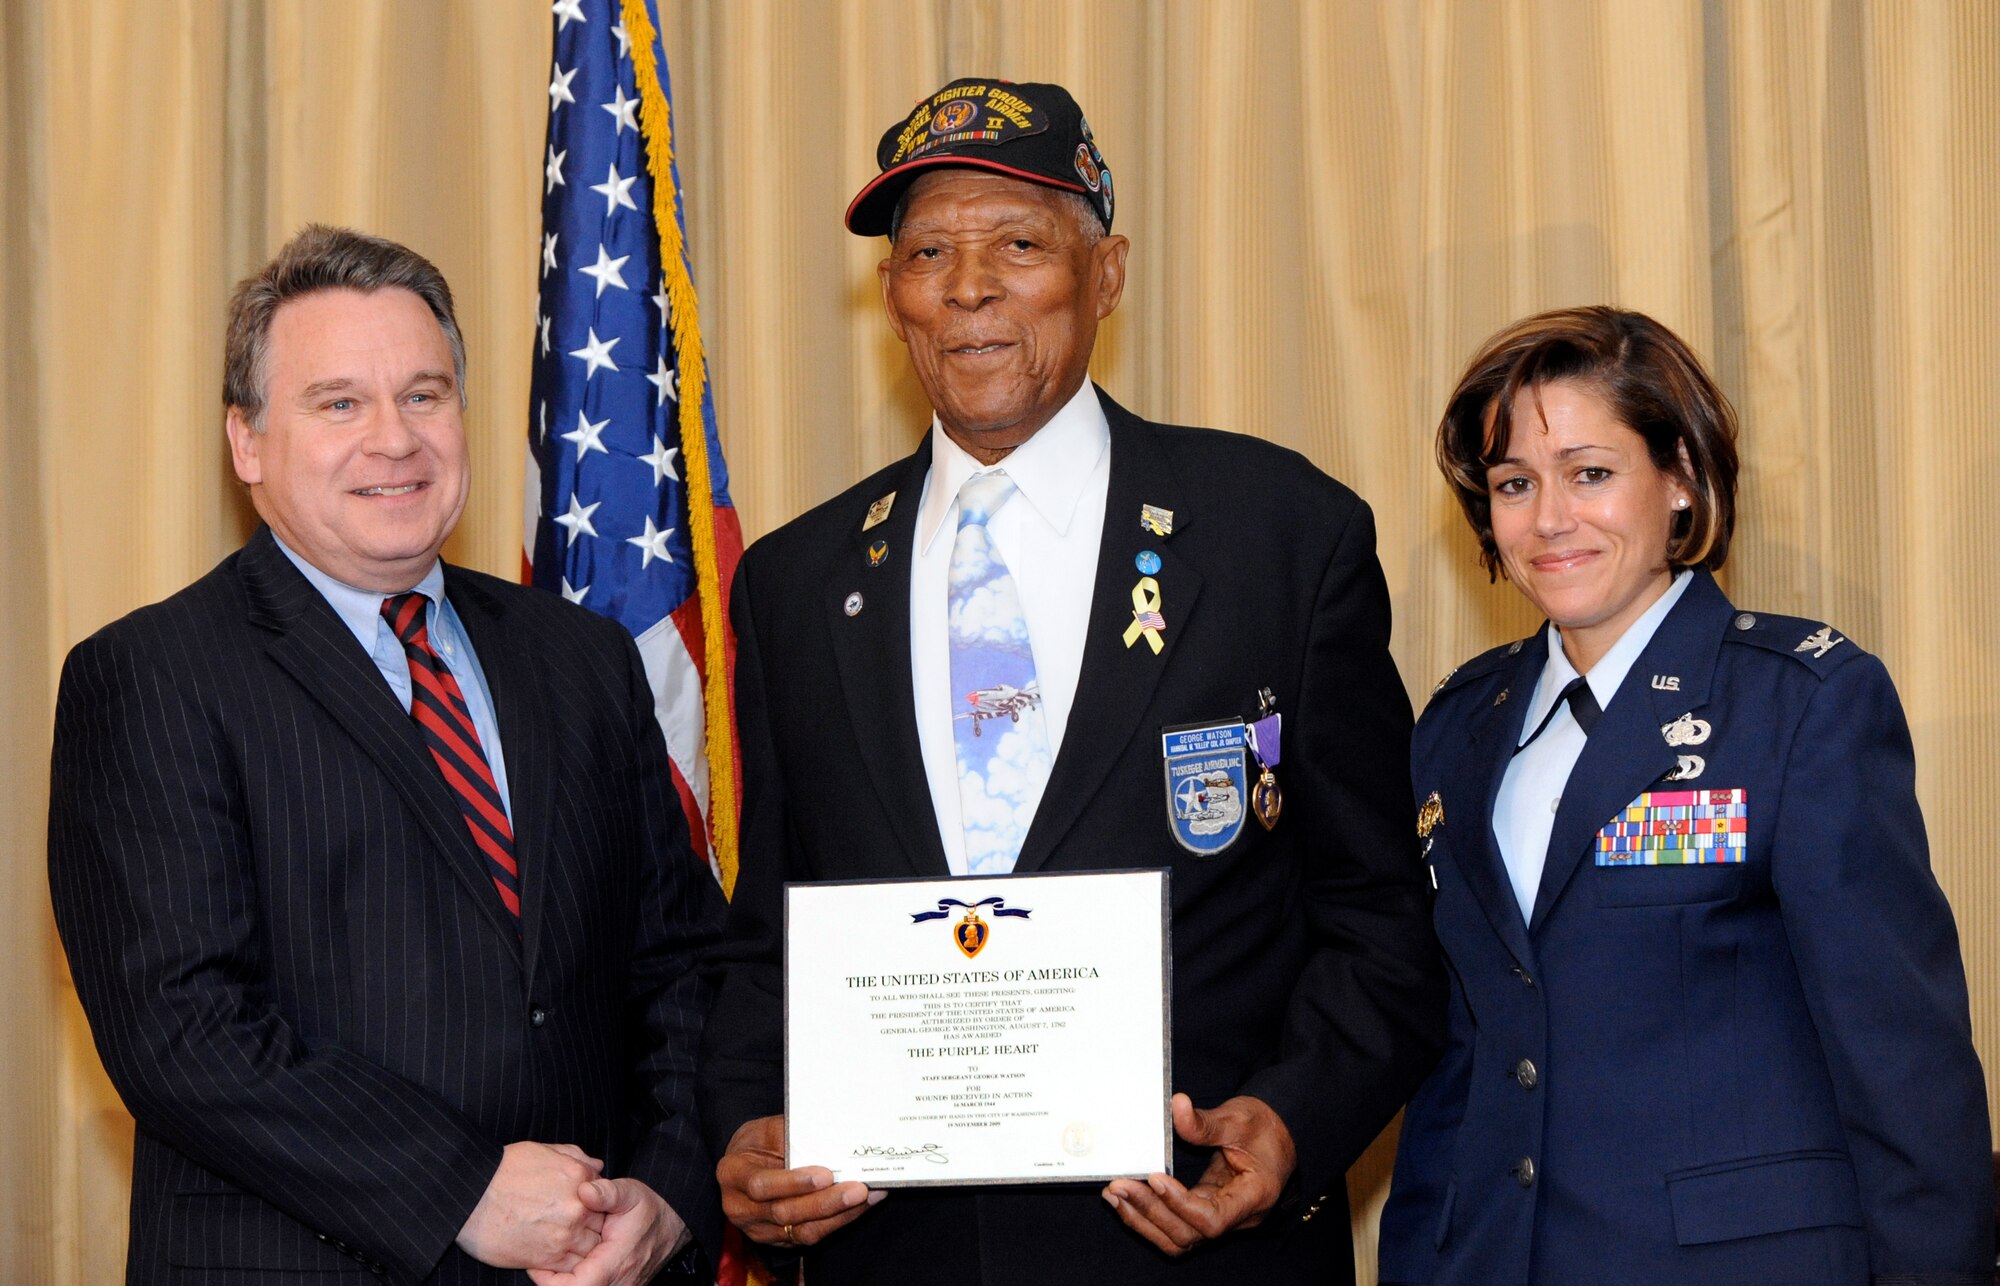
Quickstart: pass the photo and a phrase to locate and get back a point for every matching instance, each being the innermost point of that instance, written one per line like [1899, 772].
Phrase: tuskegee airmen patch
[878, 513]
[1208, 784]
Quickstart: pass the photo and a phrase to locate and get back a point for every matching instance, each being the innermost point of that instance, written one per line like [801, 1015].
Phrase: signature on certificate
[930, 1152]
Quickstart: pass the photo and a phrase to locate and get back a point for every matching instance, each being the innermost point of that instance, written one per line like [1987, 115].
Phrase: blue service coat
[1757, 1071]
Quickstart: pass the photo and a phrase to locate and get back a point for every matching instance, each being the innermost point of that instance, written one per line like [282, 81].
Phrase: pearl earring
[1681, 503]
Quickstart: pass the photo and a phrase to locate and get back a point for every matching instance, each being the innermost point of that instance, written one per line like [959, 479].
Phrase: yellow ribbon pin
[1146, 618]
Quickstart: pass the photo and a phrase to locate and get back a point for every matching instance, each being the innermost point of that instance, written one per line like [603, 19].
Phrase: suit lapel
[1627, 752]
[319, 652]
[872, 648]
[1496, 730]
[1116, 683]
[521, 709]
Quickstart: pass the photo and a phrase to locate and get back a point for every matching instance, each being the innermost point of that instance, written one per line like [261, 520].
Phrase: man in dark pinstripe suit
[388, 996]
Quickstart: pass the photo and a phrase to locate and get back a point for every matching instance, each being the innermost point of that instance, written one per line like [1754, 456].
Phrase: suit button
[1524, 1072]
[1524, 1172]
[537, 1016]
[1527, 979]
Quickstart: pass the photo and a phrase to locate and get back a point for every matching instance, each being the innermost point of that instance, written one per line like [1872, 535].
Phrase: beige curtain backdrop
[1330, 204]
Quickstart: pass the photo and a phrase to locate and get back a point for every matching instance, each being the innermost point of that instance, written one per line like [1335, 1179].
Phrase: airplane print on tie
[998, 728]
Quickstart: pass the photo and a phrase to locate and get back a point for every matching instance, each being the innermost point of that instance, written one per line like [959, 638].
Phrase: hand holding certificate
[969, 1031]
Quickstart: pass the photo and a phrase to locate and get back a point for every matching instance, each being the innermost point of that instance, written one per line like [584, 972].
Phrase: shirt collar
[361, 609]
[1611, 668]
[1051, 469]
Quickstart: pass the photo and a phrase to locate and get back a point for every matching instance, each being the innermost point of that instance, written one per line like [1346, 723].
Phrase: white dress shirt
[1049, 535]
[1524, 812]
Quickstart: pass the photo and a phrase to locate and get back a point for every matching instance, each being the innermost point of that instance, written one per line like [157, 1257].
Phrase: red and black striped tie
[438, 705]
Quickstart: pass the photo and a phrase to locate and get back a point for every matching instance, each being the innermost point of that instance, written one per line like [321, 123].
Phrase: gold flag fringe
[656, 125]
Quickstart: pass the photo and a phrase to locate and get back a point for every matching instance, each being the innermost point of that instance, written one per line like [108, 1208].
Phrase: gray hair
[323, 258]
[1082, 215]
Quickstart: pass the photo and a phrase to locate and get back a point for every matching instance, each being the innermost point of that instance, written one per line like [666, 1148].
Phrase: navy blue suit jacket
[297, 972]
[1754, 1072]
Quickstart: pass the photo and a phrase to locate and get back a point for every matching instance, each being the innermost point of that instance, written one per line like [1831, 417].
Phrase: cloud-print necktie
[997, 724]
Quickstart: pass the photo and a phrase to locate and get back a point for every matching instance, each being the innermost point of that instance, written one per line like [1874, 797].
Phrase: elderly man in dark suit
[370, 871]
[1106, 580]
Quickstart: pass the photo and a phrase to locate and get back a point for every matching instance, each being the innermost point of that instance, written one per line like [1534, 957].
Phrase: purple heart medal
[1266, 800]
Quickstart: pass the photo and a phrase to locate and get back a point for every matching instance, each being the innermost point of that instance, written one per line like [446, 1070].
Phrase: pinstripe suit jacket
[298, 976]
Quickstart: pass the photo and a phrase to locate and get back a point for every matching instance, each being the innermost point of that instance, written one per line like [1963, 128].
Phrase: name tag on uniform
[1677, 828]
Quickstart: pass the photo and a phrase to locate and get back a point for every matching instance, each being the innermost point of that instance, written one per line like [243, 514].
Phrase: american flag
[1150, 620]
[627, 496]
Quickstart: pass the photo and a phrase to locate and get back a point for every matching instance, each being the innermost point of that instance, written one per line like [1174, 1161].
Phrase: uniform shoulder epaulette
[1485, 663]
[1817, 646]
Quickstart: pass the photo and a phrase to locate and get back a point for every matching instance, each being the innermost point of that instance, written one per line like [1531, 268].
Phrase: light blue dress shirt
[361, 610]
[1524, 812]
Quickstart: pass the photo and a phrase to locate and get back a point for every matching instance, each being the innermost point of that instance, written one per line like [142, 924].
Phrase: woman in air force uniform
[1709, 1020]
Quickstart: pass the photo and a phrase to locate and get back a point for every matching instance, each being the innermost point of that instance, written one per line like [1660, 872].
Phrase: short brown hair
[1650, 380]
[323, 258]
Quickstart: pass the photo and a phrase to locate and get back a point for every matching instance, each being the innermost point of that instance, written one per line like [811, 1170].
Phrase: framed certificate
[979, 1030]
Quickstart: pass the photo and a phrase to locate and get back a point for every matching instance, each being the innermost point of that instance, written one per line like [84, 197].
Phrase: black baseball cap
[1031, 132]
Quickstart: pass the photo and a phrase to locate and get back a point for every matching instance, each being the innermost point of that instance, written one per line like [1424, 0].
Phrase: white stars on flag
[667, 380]
[653, 544]
[566, 12]
[553, 173]
[616, 191]
[624, 111]
[588, 436]
[577, 520]
[559, 92]
[549, 251]
[572, 594]
[662, 460]
[605, 270]
[596, 353]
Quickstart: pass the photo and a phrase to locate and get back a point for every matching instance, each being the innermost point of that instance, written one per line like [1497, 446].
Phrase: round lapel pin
[853, 604]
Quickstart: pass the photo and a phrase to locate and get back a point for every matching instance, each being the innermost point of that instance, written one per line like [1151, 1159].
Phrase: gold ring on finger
[788, 1234]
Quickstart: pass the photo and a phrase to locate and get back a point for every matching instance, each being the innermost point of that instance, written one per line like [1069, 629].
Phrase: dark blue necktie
[1583, 708]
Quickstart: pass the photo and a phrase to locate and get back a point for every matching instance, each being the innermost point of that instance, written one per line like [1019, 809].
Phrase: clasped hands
[1254, 1156]
[549, 1210]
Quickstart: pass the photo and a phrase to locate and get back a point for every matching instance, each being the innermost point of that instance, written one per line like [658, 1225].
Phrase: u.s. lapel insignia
[878, 513]
[877, 552]
[1430, 816]
[1156, 520]
[1686, 731]
[1821, 643]
[1667, 682]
